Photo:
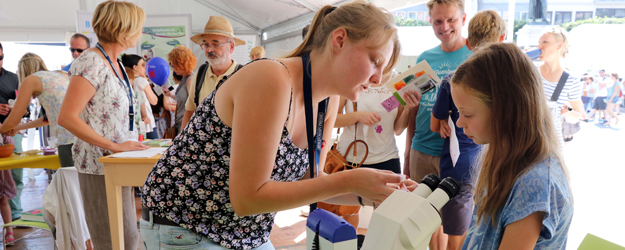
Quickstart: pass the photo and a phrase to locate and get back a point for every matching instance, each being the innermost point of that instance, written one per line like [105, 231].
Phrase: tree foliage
[595, 20]
[400, 21]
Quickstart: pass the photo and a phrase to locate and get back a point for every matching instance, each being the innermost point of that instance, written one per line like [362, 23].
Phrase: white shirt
[603, 92]
[140, 84]
[380, 137]
[62, 201]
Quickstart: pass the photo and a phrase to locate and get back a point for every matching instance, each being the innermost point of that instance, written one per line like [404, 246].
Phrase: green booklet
[33, 215]
[158, 143]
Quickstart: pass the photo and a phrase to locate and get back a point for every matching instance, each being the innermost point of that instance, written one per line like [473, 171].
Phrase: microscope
[404, 221]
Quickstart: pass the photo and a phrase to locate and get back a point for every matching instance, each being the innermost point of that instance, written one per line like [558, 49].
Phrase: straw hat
[217, 26]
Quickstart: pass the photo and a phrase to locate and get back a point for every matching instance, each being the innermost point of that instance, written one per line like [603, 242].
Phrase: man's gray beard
[217, 61]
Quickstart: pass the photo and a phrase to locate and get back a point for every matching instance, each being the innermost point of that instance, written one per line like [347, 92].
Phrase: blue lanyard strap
[314, 141]
[125, 84]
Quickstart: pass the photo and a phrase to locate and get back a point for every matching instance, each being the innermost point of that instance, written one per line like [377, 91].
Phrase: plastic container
[6, 150]
[49, 151]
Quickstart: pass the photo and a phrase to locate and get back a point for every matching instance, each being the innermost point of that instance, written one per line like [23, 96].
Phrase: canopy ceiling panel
[52, 21]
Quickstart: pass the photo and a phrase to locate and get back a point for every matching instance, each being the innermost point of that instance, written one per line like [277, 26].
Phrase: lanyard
[316, 141]
[125, 84]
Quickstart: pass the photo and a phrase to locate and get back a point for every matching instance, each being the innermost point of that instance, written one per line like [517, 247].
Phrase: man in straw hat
[218, 43]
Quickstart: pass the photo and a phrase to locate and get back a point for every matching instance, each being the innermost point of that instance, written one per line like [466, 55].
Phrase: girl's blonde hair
[118, 22]
[29, 64]
[361, 20]
[559, 34]
[522, 134]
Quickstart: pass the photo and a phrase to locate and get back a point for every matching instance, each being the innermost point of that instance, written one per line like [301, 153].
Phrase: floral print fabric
[106, 112]
[54, 87]
[189, 183]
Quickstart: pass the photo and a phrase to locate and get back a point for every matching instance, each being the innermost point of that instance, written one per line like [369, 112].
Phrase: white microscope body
[404, 221]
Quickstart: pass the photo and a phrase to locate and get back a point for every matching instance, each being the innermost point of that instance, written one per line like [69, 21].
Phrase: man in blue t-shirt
[77, 44]
[447, 18]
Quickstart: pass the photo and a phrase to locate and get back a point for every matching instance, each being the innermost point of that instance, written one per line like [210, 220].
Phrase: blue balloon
[157, 70]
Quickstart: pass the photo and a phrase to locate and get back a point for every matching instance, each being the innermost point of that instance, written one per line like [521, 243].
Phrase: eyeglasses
[212, 45]
[1, 57]
[77, 50]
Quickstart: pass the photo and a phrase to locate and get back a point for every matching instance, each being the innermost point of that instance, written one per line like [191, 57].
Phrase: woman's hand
[173, 105]
[146, 120]
[371, 184]
[368, 118]
[407, 185]
[5, 109]
[130, 146]
[412, 99]
[11, 132]
[410, 184]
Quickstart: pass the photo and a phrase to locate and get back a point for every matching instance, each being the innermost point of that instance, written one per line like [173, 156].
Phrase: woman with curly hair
[182, 61]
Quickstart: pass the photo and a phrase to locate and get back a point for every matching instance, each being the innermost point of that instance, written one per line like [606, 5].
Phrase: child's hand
[368, 118]
[445, 130]
[412, 99]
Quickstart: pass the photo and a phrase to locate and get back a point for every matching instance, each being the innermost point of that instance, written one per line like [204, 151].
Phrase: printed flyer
[420, 78]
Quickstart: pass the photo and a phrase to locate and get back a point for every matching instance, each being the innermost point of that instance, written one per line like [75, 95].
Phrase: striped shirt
[572, 91]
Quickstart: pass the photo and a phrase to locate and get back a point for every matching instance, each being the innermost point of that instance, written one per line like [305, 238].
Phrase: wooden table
[120, 172]
[32, 161]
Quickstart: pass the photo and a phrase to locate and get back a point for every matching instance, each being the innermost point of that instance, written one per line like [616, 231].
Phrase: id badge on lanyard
[125, 84]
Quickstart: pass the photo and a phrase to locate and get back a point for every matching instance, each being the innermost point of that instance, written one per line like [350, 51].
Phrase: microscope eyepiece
[450, 186]
[431, 180]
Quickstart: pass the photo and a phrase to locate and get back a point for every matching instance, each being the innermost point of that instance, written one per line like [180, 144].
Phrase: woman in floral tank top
[243, 155]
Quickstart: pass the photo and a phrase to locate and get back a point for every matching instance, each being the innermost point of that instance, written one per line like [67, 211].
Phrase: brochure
[420, 77]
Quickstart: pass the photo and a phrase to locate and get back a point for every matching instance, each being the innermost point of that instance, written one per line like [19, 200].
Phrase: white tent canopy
[53, 21]
[277, 24]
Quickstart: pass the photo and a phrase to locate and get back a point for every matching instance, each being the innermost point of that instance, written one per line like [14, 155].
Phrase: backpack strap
[201, 75]
[199, 81]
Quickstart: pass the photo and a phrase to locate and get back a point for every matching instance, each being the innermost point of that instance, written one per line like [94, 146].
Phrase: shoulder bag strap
[355, 129]
[559, 87]
[353, 144]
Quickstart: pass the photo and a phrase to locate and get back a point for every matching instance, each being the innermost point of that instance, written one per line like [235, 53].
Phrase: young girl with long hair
[522, 196]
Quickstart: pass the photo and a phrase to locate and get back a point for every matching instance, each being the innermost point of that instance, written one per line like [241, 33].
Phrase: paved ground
[595, 159]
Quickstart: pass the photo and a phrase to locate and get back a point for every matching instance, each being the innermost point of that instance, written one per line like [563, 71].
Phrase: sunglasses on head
[77, 50]
[1, 57]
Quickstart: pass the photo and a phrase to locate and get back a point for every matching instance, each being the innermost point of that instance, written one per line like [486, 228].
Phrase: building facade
[560, 11]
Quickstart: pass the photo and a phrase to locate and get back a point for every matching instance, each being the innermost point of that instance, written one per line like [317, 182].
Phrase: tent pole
[510, 32]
